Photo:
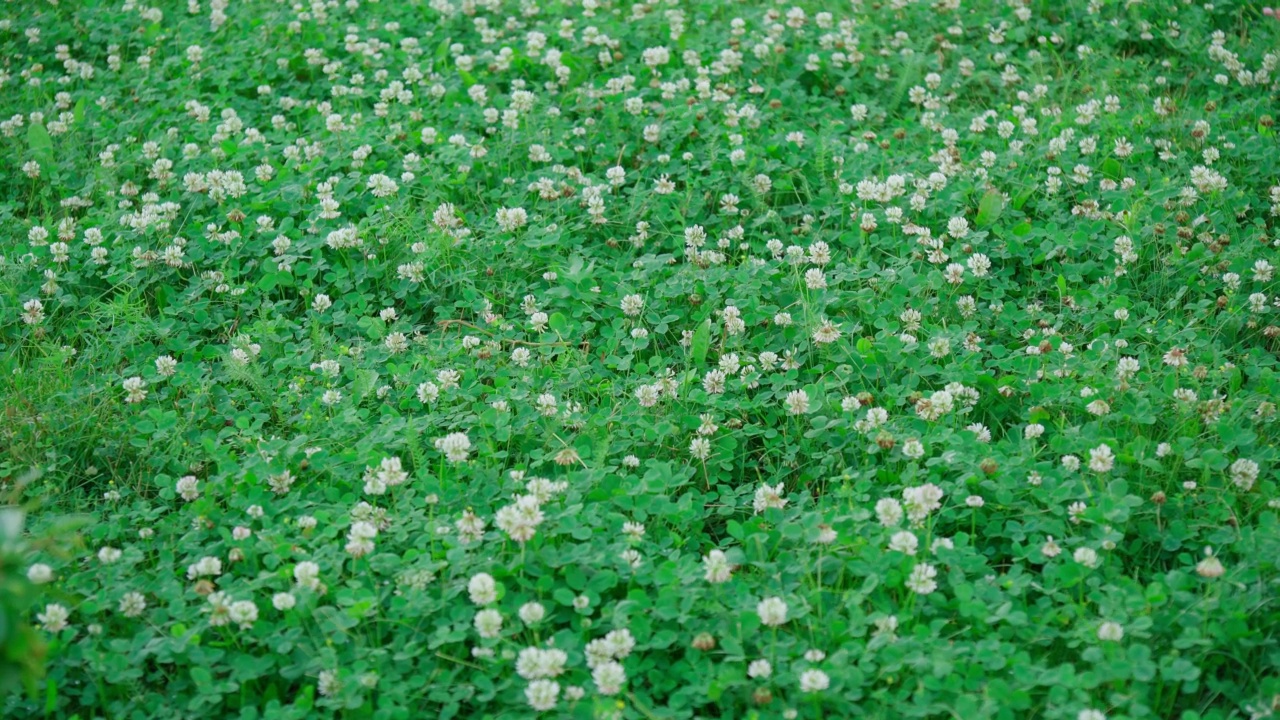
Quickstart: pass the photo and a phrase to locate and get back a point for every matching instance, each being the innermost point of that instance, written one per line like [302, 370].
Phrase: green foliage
[22, 650]
[639, 360]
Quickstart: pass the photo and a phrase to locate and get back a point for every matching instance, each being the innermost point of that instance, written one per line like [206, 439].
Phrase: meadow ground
[612, 359]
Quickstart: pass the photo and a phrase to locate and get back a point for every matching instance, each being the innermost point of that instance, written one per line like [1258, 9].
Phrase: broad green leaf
[701, 342]
[40, 143]
[989, 208]
[202, 677]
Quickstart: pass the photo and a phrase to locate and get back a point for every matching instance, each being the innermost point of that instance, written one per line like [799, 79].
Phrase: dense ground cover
[594, 358]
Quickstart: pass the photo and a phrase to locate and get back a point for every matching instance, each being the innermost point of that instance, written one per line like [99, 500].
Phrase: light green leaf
[990, 208]
[41, 144]
[701, 342]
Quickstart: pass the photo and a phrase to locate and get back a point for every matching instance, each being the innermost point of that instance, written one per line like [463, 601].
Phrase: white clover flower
[769, 496]
[542, 694]
[1210, 567]
[609, 677]
[132, 604]
[482, 589]
[700, 448]
[632, 305]
[207, 566]
[532, 613]
[328, 683]
[716, 567]
[166, 366]
[921, 581]
[797, 402]
[1244, 473]
[456, 447]
[360, 538]
[307, 575]
[135, 389]
[39, 573]
[889, 512]
[54, 618]
[33, 312]
[1087, 557]
[488, 623]
[1110, 632]
[904, 541]
[512, 219]
[243, 613]
[1050, 549]
[772, 611]
[814, 681]
[382, 186]
[1101, 459]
